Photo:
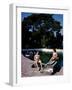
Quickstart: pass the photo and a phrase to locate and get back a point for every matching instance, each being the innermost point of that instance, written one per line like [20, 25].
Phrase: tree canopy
[38, 31]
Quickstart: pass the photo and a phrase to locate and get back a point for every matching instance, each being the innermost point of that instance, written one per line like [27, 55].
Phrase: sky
[58, 17]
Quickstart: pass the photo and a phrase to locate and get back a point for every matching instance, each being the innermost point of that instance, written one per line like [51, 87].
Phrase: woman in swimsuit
[37, 61]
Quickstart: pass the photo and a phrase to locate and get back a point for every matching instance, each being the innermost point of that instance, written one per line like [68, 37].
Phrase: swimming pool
[44, 56]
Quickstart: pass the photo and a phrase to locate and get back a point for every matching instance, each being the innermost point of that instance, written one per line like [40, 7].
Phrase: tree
[37, 31]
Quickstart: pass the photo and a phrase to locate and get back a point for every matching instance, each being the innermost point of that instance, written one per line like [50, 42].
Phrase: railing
[43, 50]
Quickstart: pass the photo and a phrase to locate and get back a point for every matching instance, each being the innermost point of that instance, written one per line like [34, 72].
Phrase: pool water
[45, 56]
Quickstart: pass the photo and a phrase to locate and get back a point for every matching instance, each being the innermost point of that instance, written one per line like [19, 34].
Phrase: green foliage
[40, 35]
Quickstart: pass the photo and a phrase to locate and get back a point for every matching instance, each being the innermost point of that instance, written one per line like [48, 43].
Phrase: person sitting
[37, 61]
[54, 58]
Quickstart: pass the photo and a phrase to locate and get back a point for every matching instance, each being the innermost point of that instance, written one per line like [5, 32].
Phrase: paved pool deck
[27, 71]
